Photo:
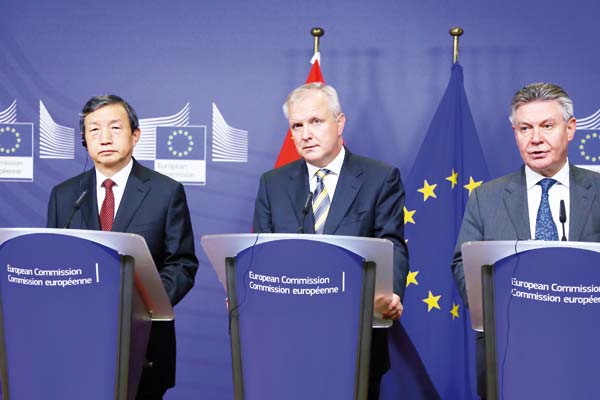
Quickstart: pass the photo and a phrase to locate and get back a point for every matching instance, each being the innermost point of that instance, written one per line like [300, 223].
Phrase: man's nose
[306, 132]
[536, 135]
[105, 136]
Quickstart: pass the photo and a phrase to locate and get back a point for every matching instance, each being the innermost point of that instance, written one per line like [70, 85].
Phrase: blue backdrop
[234, 62]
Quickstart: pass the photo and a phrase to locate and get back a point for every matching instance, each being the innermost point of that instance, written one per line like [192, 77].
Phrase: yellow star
[412, 278]
[427, 190]
[453, 178]
[454, 311]
[408, 216]
[432, 301]
[472, 184]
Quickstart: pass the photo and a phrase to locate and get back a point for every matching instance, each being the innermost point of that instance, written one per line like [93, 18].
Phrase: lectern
[301, 311]
[539, 304]
[75, 313]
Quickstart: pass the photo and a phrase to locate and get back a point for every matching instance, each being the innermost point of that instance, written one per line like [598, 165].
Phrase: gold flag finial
[456, 32]
[317, 33]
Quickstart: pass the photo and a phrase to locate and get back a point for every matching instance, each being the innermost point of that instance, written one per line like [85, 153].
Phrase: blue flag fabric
[432, 350]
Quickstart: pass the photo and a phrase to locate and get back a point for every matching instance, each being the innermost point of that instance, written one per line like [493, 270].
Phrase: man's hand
[389, 308]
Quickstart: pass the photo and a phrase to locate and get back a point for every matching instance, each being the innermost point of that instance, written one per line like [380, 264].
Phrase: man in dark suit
[353, 196]
[515, 206]
[124, 196]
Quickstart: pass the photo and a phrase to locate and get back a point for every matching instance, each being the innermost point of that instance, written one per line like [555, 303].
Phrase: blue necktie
[321, 201]
[545, 228]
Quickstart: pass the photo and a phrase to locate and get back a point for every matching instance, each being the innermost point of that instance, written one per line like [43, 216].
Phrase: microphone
[305, 209]
[563, 218]
[76, 206]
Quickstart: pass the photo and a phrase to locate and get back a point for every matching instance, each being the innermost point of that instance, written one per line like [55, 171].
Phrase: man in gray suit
[525, 204]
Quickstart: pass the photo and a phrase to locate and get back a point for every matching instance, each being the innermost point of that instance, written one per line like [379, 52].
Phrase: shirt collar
[562, 176]
[120, 178]
[335, 166]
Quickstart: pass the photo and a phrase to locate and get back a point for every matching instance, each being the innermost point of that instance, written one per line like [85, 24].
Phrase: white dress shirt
[559, 191]
[120, 180]
[330, 182]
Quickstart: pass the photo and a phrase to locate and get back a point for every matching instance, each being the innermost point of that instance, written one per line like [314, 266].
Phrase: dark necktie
[107, 211]
[545, 228]
[321, 201]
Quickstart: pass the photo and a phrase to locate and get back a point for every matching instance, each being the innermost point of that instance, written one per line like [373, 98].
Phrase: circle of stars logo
[17, 142]
[588, 138]
[188, 143]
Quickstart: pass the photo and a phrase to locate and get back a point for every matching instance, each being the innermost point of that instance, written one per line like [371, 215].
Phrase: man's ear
[571, 127]
[340, 122]
[137, 133]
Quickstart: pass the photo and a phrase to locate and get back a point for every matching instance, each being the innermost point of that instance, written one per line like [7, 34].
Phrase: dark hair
[97, 102]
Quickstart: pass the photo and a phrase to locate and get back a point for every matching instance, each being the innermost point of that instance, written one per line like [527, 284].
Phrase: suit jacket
[498, 210]
[368, 202]
[155, 207]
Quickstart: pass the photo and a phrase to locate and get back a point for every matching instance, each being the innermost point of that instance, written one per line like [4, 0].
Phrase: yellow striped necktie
[321, 201]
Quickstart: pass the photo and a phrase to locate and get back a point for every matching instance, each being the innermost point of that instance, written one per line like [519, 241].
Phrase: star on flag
[472, 184]
[454, 311]
[427, 190]
[453, 178]
[432, 301]
[408, 216]
[412, 278]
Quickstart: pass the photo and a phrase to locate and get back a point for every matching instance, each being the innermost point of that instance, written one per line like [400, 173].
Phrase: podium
[539, 305]
[301, 311]
[75, 313]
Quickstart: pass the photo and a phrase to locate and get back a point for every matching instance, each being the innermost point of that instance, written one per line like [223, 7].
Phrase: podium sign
[379, 251]
[298, 328]
[546, 324]
[58, 302]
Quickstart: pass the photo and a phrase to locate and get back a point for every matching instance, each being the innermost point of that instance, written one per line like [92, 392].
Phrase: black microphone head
[563, 212]
[76, 206]
[307, 203]
[305, 209]
[80, 199]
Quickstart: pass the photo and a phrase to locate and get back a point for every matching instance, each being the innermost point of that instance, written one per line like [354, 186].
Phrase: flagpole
[456, 32]
[317, 33]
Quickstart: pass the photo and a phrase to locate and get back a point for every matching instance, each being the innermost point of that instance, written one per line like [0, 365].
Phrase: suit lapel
[581, 199]
[347, 188]
[298, 189]
[89, 209]
[136, 190]
[515, 202]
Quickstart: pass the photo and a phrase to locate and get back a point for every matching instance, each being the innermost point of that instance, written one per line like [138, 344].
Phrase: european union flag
[16, 140]
[433, 349]
[180, 142]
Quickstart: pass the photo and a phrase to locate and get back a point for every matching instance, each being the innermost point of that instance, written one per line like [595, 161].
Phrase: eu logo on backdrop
[584, 150]
[16, 152]
[181, 153]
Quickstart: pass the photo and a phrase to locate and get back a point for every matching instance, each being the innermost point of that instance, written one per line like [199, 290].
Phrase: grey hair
[542, 91]
[300, 93]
